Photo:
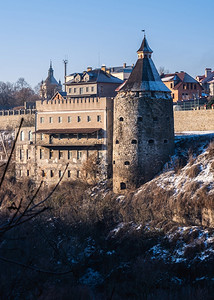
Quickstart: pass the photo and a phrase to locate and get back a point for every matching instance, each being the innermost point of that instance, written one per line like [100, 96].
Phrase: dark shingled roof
[145, 47]
[144, 76]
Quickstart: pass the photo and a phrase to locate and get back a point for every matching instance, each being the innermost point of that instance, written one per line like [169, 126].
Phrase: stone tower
[143, 136]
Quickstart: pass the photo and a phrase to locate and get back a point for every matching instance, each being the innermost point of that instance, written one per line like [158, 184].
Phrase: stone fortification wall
[11, 119]
[194, 120]
[143, 138]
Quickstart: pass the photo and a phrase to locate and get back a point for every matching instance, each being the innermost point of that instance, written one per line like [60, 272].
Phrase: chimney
[124, 65]
[89, 69]
[103, 68]
[208, 72]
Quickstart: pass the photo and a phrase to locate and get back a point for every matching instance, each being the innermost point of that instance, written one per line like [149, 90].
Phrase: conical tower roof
[144, 76]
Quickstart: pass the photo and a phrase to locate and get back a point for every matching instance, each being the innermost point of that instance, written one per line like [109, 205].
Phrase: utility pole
[65, 61]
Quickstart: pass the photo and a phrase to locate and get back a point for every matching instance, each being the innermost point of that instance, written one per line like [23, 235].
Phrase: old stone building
[67, 131]
[143, 135]
[92, 83]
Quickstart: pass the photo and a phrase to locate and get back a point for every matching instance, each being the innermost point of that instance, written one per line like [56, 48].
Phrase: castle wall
[194, 120]
[143, 138]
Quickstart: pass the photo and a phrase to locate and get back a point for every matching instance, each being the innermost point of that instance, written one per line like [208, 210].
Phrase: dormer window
[78, 78]
[86, 77]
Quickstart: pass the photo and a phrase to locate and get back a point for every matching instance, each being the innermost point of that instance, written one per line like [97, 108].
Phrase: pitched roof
[145, 46]
[144, 76]
[96, 76]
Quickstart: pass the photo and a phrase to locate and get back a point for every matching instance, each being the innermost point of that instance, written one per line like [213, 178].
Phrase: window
[69, 154]
[21, 154]
[69, 173]
[51, 173]
[60, 154]
[50, 119]
[122, 186]
[134, 142]
[99, 154]
[28, 172]
[40, 153]
[60, 173]
[81, 90]
[87, 90]
[165, 141]
[27, 154]
[50, 154]
[79, 154]
[69, 90]
[78, 173]
[121, 119]
[151, 141]
[98, 118]
[59, 119]
[171, 85]
[30, 136]
[126, 163]
[69, 119]
[22, 136]
[43, 173]
[41, 136]
[92, 88]
[75, 90]
[88, 118]
[117, 142]
[41, 119]
[78, 119]
[140, 119]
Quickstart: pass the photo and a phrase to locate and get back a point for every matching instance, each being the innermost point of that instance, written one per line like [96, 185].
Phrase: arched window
[117, 142]
[151, 141]
[140, 119]
[134, 142]
[121, 119]
[122, 186]
[126, 163]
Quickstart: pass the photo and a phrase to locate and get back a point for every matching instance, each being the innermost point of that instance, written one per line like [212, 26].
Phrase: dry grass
[193, 171]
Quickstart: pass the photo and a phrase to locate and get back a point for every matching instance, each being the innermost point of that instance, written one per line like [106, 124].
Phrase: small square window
[69, 119]
[42, 119]
[99, 118]
[88, 118]
[78, 119]
[59, 119]
[69, 154]
[50, 119]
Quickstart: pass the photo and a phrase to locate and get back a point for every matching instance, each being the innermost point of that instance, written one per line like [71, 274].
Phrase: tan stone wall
[11, 122]
[194, 120]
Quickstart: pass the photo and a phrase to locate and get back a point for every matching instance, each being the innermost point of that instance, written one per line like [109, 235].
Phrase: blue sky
[92, 33]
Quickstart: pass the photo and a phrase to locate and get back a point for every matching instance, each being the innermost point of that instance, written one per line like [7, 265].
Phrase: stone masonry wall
[194, 120]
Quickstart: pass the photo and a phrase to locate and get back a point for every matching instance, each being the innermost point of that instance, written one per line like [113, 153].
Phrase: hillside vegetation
[156, 242]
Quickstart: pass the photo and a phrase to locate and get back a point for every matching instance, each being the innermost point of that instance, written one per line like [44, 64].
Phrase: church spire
[50, 71]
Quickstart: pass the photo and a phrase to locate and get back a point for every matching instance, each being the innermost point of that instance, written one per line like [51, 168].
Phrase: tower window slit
[117, 142]
[151, 141]
[134, 142]
[127, 163]
[122, 186]
[121, 119]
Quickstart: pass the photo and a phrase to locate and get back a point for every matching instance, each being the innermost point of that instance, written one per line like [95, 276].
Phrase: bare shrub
[194, 171]
[210, 150]
[91, 169]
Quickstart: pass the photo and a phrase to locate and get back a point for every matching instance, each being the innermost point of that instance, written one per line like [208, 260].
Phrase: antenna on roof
[65, 61]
